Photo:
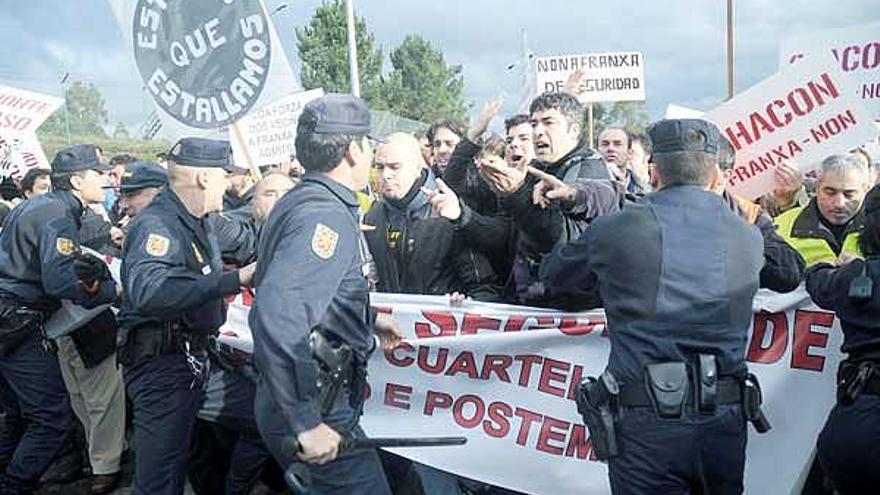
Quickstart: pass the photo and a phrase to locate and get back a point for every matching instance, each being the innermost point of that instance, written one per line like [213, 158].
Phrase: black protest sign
[205, 62]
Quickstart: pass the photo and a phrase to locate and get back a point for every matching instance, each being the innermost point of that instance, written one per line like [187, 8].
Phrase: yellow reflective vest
[802, 228]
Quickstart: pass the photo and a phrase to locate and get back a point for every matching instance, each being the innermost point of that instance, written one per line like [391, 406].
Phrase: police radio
[861, 289]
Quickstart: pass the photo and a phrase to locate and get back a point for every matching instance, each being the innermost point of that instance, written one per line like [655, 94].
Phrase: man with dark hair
[41, 264]
[520, 148]
[618, 147]
[640, 152]
[678, 272]
[312, 298]
[175, 288]
[444, 136]
[35, 182]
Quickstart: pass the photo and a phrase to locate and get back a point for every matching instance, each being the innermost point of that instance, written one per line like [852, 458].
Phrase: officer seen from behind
[312, 311]
[678, 272]
[41, 264]
[174, 303]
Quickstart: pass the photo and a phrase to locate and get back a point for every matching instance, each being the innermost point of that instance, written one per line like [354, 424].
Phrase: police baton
[297, 475]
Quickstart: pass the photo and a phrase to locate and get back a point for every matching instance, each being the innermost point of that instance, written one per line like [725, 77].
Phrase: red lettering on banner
[528, 417]
[497, 363]
[438, 365]
[525, 371]
[433, 400]
[463, 363]
[549, 374]
[804, 338]
[548, 433]
[778, 338]
[458, 411]
[570, 326]
[579, 445]
[498, 424]
[473, 322]
[444, 322]
[514, 323]
[398, 395]
[577, 375]
[402, 362]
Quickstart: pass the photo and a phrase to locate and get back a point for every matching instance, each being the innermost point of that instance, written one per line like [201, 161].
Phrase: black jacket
[461, 176]
[416, 252]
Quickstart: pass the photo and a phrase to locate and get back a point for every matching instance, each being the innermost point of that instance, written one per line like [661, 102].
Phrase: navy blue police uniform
[173, 304]
[678, 272]
[847, 446]
[39, 244]
[310, 279]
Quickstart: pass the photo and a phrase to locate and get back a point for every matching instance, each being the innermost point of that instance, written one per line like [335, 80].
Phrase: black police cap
[669, 135]
[337, 113]
[77, 158]
[202, 152]
[140, 175]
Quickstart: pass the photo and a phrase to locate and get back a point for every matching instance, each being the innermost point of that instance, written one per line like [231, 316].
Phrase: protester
[520, 148]
[851, 288]
[640, 150]
[36, 182]
[239, 188]
[658, 355]
[174, 290]
[830, 223]
[444, 136]
[40, 264]
[310, 282]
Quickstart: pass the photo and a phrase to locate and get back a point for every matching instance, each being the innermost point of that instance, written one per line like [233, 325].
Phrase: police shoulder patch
[324, 241]
[64, 246]
[157, 245]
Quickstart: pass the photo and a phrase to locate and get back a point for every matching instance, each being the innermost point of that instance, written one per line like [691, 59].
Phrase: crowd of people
[536, 217]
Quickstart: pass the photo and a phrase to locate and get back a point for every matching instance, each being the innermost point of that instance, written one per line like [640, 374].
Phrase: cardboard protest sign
[206, 63]
[22, 112]
[20, 154]
[613, 76]
[269, 133]
[856, 49]
[505, 377]
[799, 115]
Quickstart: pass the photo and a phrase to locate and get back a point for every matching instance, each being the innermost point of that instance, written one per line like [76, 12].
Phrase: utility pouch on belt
[707, 387]
[596, 401]
[752, 400]
[335, 368]
[668, 385]
[851, 381]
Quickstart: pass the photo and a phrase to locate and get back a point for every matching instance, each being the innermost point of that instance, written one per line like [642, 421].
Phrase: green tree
[630, 115]
[323, 50]
[85, 109]
[421, 85]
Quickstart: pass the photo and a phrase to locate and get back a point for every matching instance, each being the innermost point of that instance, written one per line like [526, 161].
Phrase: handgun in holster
[335, 368]
[852, 378]
[752, 399]
[597, 403]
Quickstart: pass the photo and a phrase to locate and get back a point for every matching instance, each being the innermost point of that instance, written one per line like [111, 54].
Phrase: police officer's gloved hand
[90, 269]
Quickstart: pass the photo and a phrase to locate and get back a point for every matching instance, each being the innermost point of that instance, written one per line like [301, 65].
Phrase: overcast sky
[683, 41]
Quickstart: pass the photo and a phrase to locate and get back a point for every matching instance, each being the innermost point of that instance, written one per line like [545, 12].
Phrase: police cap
[140, 175]
[202, 152]
[671, 135]
[77, 158]
[337, 113]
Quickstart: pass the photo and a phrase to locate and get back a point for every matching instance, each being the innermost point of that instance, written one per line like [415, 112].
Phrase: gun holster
[335, 360]
[752, 399]
[597, 403]
[852, 378]
[667, 385]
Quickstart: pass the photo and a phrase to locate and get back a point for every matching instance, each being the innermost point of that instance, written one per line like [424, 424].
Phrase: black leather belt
[729, 392]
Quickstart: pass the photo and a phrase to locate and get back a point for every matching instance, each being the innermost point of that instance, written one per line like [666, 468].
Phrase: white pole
[352, 50]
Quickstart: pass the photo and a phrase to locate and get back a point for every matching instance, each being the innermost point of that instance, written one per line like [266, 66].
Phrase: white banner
[22, 112]
[20, 154]
[206, 63]
[856, 49]
[614, 76]
[799, 115]
[504, 377]
[268, 135]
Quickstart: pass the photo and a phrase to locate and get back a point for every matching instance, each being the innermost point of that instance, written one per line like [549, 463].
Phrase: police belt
[154, 339]
[729, 391]
[855, 378]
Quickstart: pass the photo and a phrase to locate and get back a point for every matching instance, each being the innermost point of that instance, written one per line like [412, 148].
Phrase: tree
[121, 132]
[85, 113]
[323, 50]
[421, 85]
[630, 115]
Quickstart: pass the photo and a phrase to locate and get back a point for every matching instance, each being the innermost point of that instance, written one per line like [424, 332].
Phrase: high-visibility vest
[810, 243]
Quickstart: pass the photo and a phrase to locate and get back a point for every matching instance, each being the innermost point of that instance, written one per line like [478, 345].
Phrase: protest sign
[504, 377]
[856, 49]
[613, 76]
[206, 63]
[269, 133]
[679, 112]
[20, 154]
[22, 112]
[799, 115]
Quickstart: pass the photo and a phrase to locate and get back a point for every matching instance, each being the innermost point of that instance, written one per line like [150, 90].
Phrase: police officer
[311, 286]
[677, 272]
[174, 285]
[40, 264]
[847, 446]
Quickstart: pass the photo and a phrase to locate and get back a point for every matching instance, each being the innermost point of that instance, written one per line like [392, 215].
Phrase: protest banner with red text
[504, 377]
[799, 115]
[21, 113]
